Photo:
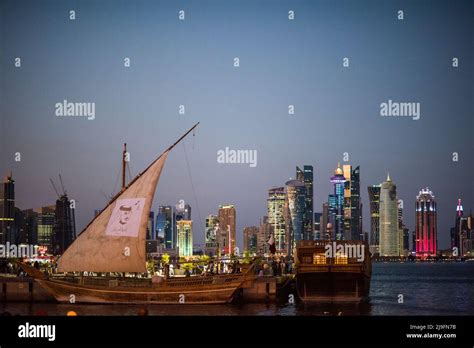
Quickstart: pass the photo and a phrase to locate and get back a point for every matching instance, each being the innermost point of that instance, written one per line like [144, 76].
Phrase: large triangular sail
[115, 240]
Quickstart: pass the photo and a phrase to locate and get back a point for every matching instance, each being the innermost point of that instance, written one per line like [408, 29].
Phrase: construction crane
[54, 187]
[61, 181]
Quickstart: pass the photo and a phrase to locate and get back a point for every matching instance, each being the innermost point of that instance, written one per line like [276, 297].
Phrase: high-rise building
[45, 222]
[264, 234]
[150, 229]
[7, 209]
[332, 213]
[251, 239]
[462, 232]
[166, 222]
[227, 226]
[306, 177]
[374, 204]
[18, 229]
[185, 237]
[65, 224]
[30, 226]
[211, 231]
[182, 211]
[389, 232]
[276, 217]
[406, 240]
[337, 211]
[324, 222]
[160, 226]
[403, 230]
[317, 226]
[299, 174]
[352, 204]
[426, 224]
[295, 209]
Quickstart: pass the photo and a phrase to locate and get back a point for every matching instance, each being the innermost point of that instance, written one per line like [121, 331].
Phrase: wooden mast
[124, 164]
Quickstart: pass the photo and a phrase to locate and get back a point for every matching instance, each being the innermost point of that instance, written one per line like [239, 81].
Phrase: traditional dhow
[333, 271]
[114, 243]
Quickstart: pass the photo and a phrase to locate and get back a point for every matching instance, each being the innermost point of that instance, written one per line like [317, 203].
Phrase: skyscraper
[352, 204]
[306, 177]
[332, 213]
[426, 224]
[212, 227]
[389, 232]
[65, 224]
[276, 216]
[324, 222]
[299, 174]
[45, 226]
[264, 234]
[182, 211]
[403, 230]
[31, 226]
[337, 212]
[227, 226]
[150, 232]
[374, 199]
[461, 232]
[166, 219]
[7, 208]
[185, 237]
[250, 239]
[317, 225]
[295, 209]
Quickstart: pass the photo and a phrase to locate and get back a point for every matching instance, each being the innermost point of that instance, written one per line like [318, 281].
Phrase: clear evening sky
[282, 62]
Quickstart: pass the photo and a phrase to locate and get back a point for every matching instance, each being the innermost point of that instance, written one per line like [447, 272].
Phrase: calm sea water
[427, 289]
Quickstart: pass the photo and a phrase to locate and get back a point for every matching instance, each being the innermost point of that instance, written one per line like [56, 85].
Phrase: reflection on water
[427, 289]
[211, 310]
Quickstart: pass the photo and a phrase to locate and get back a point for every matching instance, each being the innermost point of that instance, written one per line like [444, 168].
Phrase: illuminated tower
[426, 231]
[295, 208]
[338, 181]
[460, 232]
[389, 232]
[352, 203]
[166, 225]
[276, 217]
[185, 237]
[227, 225]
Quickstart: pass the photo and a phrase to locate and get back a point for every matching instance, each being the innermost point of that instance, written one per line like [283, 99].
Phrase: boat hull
[68, 292]
[333, 271]
[327, 286]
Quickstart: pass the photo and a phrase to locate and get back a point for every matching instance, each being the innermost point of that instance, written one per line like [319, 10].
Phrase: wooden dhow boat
[333, 271]
[114, 242]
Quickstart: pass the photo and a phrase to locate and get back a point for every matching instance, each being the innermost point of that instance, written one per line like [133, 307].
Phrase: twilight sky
[282, 62]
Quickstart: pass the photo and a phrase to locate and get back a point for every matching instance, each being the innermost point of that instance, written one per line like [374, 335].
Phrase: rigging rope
[192, 185]
[116, 182]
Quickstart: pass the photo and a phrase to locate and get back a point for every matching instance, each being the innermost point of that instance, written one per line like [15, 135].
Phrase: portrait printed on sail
[125, 218]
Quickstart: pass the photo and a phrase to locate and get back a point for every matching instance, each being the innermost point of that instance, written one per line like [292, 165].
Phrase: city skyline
[182, 211]
[282, 63]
